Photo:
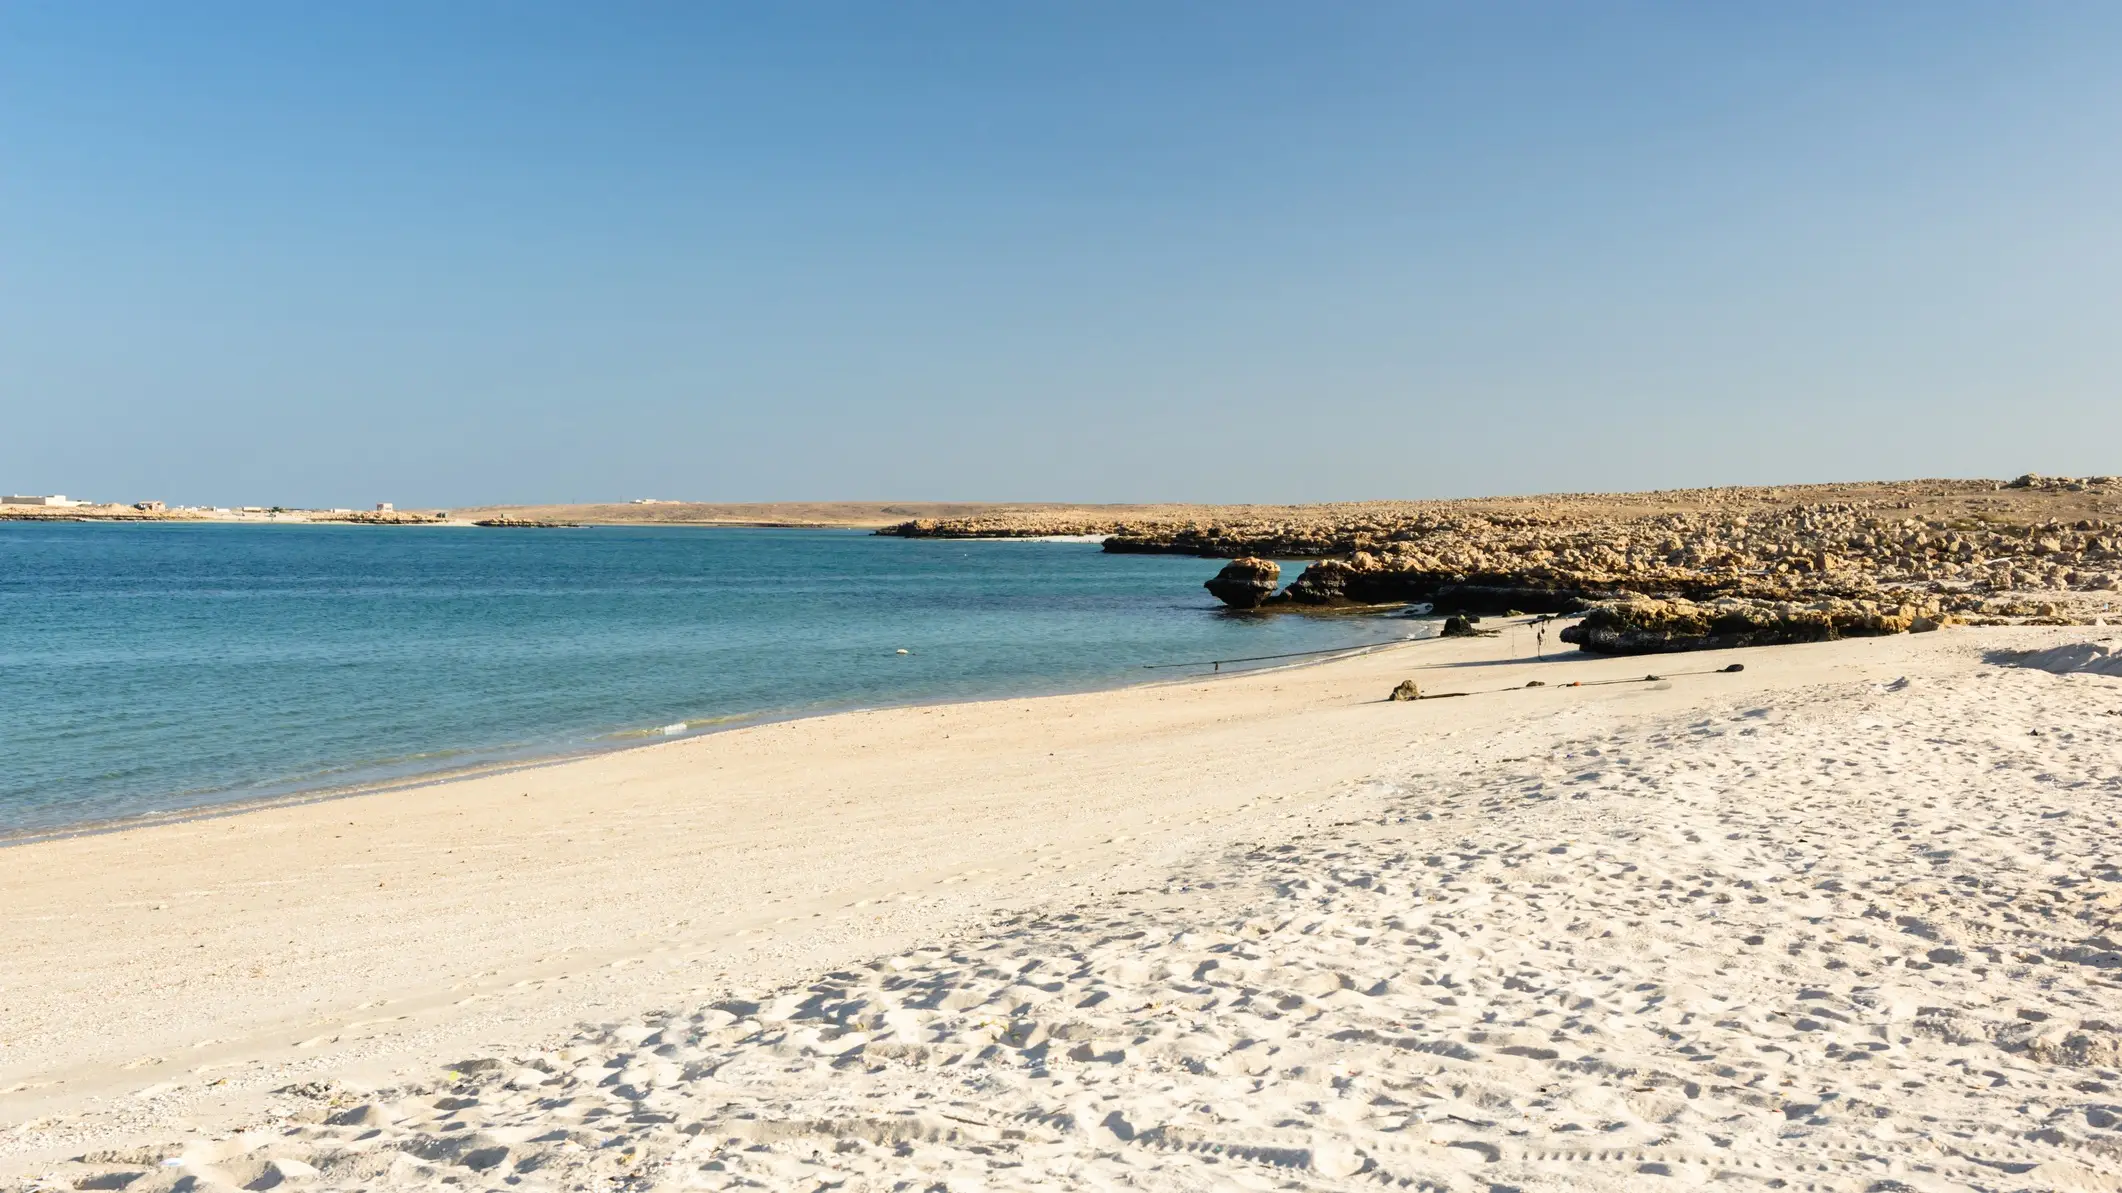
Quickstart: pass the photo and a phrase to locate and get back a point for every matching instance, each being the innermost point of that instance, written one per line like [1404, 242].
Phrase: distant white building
[384, 507]
[60, 499]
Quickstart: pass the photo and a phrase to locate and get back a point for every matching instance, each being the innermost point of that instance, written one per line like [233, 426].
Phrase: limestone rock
[1245, 583]
[1406, 691]
[1646, 625]
[1979, 549]
[1323, 583]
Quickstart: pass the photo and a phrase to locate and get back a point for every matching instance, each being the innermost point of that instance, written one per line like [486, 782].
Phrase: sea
[156, 668]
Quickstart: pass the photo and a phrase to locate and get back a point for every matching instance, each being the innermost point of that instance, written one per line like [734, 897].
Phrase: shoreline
[208, 989]
[618, 741]
[106, 1074]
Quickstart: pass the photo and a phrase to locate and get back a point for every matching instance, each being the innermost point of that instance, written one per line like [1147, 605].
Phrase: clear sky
[463, 252]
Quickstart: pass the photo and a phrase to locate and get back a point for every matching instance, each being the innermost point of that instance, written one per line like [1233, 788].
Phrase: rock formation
[1406, 691]
[2041, 549]
[1644, 625]
[1245, 583]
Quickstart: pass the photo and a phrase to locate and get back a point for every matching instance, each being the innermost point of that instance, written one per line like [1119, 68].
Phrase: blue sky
[442, 254]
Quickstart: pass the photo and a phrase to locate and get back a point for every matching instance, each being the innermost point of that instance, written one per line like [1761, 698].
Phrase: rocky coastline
[1689, 569]
[1646, 625]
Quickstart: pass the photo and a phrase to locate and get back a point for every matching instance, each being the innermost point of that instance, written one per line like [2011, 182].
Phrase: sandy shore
[1845, 920]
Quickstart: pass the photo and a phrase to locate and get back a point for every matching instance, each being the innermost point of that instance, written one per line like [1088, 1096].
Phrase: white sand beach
[1846, 920]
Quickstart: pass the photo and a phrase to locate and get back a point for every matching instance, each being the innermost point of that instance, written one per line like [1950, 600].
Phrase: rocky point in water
[1245, 583]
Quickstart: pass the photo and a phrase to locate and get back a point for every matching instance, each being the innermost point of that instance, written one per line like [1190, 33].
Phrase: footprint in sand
[1459, 1003]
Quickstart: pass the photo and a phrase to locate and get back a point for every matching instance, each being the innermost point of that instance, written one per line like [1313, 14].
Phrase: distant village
[58, 506]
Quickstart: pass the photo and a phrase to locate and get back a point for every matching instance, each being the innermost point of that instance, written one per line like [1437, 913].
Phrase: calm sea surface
[148, 668]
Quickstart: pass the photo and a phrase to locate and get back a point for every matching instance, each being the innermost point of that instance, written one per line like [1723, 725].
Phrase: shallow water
[152, 667]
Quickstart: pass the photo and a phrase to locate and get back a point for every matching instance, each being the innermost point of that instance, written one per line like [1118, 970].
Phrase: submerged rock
[1245, 583]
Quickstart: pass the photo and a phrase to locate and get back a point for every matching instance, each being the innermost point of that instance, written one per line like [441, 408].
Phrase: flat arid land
[1321, 529]
[851, 515]
[1844, 920]
[1334, 527]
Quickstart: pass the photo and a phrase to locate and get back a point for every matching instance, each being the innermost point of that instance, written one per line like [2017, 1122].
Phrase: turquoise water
[150, 668]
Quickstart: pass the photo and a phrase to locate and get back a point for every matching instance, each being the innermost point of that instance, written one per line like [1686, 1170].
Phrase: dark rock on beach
[1366, 579]
[1645, 625]
[1245, 583]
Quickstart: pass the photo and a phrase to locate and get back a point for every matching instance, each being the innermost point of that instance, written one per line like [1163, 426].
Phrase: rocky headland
[1671, 570]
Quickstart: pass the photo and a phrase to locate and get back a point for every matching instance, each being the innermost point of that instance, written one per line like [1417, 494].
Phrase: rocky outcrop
[524, 523]
[2064, 484]
[1366, 579]
[2036, 548]
[1245, 583]
[1406, 690]
[1643, 625]
[1973, 567]
[1324, 583]
[1802, 550]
